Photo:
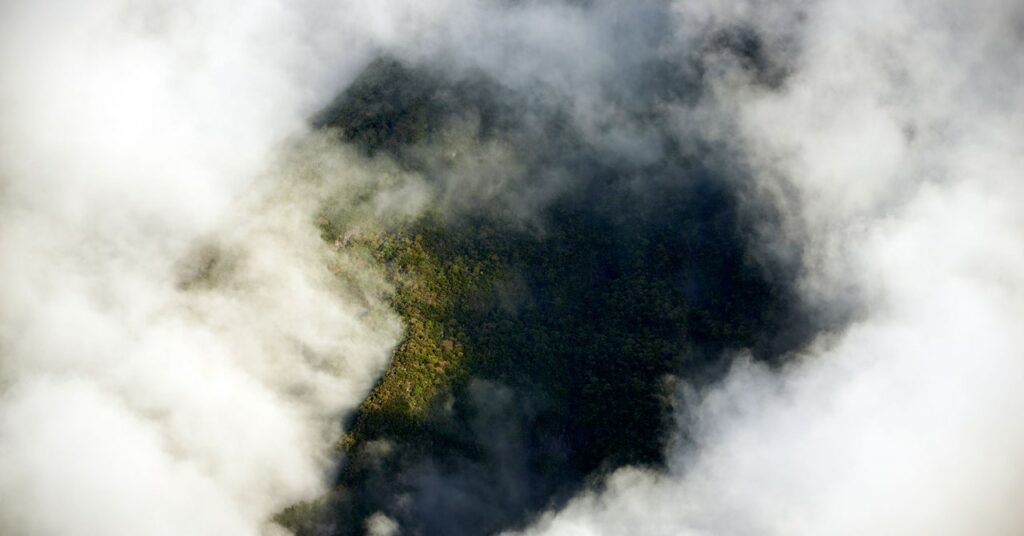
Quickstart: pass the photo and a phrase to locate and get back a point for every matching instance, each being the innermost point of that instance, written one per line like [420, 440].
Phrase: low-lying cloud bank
[177, 347]
[895, 147]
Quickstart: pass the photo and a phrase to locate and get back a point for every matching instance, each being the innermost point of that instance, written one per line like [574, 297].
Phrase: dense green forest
[539, 351]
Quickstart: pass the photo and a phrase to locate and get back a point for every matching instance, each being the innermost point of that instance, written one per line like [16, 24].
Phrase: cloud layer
[177, 347]
[894, 146]
[177, 344]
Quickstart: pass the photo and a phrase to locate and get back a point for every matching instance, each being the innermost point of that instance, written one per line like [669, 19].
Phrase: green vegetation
[591, 319]
[536, 355]
[431, 292]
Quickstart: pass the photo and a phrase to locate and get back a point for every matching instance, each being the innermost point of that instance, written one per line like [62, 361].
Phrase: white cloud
[175, 350]
[898, 133]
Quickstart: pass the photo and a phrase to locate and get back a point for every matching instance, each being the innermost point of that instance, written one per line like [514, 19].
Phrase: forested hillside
[542, 348]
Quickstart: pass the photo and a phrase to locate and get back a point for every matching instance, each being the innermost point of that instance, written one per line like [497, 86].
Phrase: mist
[177, 349]
[894, 148]
[191, 317]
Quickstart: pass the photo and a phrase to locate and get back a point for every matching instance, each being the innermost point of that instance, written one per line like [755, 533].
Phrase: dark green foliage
[539, 355]
[392, 107]
[589, 321]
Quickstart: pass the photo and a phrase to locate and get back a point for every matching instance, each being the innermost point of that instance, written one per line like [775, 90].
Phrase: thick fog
[179, 348]
[895, 146]
[176, 350]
